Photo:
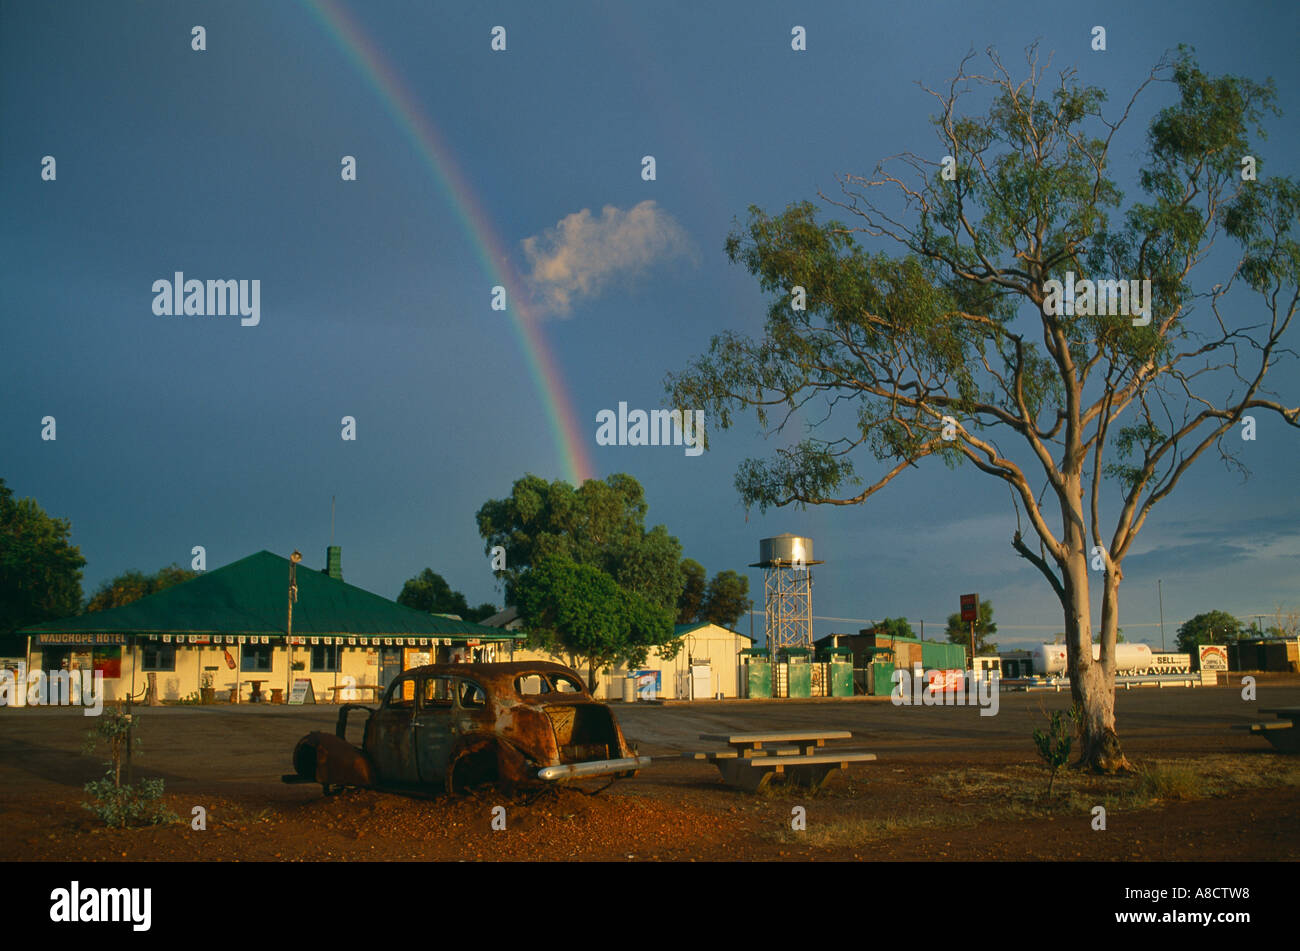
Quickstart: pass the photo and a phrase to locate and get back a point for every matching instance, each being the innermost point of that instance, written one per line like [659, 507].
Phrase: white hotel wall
[359, 662]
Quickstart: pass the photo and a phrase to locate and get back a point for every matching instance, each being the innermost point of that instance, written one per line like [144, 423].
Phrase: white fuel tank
[1049, 659]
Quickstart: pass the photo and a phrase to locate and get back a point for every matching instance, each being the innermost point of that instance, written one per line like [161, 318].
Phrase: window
[255, 658]
[324, 657]
[531, 685]
[436, 693]
[401, 695]
[158, 657]
[472, 696]
[566, 684]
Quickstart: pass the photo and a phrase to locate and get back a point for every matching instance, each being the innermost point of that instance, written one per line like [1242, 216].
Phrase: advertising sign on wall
[108, 661]
[1213, 657]
[648, 684]
[944, 681]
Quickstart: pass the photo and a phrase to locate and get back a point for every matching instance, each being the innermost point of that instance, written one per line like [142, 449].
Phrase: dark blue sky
[175, 432]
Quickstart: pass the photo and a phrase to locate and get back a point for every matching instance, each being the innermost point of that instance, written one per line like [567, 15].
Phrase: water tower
[787, 590]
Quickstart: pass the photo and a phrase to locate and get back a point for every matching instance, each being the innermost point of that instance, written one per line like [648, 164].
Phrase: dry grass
[1163, 783]
[957, 798]
[851, 832]
[1021, 788]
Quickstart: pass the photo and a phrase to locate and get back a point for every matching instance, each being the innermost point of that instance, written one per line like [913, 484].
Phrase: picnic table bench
[752, 759]
[1282, 733]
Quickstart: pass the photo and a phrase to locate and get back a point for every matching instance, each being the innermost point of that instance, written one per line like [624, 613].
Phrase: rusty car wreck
[451, 727]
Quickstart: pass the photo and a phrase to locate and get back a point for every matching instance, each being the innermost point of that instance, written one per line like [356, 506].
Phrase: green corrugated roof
[250, 596]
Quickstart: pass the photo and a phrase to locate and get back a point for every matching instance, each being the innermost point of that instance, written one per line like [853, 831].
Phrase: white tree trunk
[1092, 683]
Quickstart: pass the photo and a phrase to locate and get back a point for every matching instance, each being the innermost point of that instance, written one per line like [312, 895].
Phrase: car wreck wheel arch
[482, 758]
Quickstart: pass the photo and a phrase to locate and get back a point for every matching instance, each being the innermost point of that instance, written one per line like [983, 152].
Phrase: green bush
[122, 805]
[1054, 745]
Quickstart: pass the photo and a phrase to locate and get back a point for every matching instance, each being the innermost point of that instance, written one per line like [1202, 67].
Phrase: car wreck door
[434, 729]
[390, 740]
[472, 715]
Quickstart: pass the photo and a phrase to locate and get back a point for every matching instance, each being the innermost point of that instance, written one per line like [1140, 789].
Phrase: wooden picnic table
[1283, 733]
[749, 744]
[795, 755]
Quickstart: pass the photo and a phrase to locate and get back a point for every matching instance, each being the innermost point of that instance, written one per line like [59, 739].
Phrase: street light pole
[288, 640]
[1161, 595]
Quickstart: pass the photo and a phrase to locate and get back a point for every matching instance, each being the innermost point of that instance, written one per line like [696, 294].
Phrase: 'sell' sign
[970, 607]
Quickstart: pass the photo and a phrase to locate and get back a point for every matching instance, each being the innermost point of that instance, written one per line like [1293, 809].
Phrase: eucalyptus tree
[1012, 329]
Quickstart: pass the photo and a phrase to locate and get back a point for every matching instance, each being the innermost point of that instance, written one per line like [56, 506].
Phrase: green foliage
[722, 601]
[578, 609]
[691, 600]
[429, 592]
[121, 804]
[601, 524]
[894, 627]
[958, 631]
[114, 727]
[1055, 743]
[133, 585]
[1212, 627]
[726, 600]
[671, 648]
[40, 572]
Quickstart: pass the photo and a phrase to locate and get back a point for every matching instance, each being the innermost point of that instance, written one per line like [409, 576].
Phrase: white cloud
[583, 254]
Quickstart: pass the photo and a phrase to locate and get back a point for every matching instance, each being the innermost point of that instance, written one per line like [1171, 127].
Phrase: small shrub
[1054, 745]
[122, 805]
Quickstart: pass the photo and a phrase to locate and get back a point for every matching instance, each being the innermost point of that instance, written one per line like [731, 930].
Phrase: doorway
[390, 665]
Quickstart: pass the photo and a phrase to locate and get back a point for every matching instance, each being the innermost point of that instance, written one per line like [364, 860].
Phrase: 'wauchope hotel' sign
[44, 639]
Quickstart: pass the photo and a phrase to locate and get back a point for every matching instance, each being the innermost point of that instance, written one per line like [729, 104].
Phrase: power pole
[288, 640]
[1160, 594]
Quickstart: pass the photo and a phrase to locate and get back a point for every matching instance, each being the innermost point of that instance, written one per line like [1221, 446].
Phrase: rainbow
[405, 110]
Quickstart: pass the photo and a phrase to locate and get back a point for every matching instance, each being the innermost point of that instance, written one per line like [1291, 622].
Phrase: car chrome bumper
[594, 768]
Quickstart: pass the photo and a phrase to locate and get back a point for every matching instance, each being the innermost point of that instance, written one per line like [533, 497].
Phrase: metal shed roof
[250, 596]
